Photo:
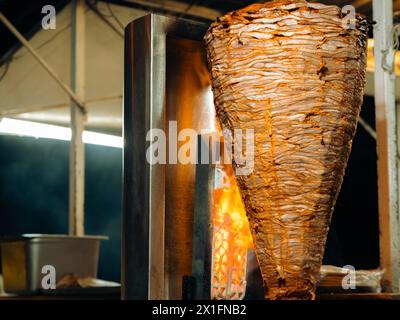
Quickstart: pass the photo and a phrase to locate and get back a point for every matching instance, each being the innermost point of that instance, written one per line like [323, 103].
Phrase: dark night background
[354, 234]
[34, 197]
[34, 193]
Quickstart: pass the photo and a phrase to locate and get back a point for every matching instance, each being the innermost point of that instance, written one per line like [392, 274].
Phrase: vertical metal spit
[202, 225]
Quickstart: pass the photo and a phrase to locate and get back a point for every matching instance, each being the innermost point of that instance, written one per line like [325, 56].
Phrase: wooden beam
[386, 145]
[360, 3]
[179, 8]
[77, 159]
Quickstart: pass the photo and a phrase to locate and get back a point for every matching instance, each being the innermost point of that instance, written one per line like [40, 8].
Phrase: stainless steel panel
[165, 79]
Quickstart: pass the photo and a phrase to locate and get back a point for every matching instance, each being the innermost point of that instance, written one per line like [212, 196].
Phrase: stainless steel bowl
[24, 257]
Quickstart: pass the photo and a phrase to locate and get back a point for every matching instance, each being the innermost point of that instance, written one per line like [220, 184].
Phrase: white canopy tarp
[28, 92]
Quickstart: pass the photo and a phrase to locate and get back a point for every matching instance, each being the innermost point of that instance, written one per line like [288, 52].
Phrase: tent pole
[77, 152]
[385, 110]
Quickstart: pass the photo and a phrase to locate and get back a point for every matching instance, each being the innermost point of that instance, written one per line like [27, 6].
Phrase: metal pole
[386, 144]
[202, 222]
[26, 44]
[77, 159]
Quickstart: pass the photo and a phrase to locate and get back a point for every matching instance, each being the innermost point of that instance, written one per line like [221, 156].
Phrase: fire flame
[231, 240]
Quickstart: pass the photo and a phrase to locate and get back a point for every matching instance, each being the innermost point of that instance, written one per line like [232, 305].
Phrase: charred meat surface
[294, 72]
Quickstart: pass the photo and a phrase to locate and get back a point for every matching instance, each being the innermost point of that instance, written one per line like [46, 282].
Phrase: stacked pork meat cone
[294, 72]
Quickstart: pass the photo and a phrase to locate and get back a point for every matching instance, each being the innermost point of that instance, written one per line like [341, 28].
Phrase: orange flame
[231, 240]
